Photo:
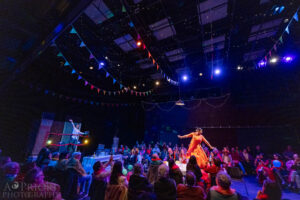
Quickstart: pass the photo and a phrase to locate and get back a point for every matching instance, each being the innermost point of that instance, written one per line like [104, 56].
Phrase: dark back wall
[21, 111]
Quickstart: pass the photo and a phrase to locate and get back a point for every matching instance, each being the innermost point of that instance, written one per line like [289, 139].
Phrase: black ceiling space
[184, 37]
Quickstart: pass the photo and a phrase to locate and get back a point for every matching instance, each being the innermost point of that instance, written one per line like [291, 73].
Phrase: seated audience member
[100, 180]
[288, 153]
[247, 161]
[43, 158]
[270, 191]
[10, 172]
[3, 161]
[129, 172]
[294, 176]
[213, 168]
[192, 166]
[156, 150]
[257, 150]
[54, 159]
[117, 188]
[39, 189]
[29, 165]
[226, 157]
[61, 165]
[222, 191]
[190, 191]
[235, 156]
[149, 150]
[84, 178]
[175, 172]
[152, 174]
[164, 187]
[138, 183]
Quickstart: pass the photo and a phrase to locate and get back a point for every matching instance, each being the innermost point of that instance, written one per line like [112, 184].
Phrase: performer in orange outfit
[195, 147]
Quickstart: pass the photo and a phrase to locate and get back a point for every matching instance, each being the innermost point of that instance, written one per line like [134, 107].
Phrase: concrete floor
[253, 187]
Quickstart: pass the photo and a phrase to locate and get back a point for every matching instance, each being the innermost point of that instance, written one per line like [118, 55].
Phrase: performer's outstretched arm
[206, 142]
[185, 136]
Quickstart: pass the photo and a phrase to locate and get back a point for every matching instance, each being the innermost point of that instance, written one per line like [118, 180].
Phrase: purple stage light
[262, 63]
[288, 59]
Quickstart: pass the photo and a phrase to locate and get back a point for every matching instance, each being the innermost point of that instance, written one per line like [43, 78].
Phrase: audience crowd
[155, 171]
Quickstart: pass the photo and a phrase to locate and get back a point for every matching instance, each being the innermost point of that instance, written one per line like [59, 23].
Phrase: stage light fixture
[91, 67]
[134, 87]
[288, 59]
[185, 77]
[138, 43]
[157, 83]
[86, 141]
[49, 142]
[179, 103]
[102, 63]
[106, 58]
[239, 67]
[262, 63]
[200, 74]
[217, 71]
[274, 60]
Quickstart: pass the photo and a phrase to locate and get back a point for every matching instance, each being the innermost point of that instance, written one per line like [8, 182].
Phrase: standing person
[195, 147]
[192, 166]
[74, 139]
[270, 191]
[43, 158]
[164, 187]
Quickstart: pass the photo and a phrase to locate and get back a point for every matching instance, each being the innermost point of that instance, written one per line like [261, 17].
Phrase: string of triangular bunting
[280, 39]
[100, 90]
[154, 61]
[76, 99]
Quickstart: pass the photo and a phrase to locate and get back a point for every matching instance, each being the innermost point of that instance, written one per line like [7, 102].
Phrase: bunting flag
[123, 9]
[67, 63]
[59, 54]
[114, 81]
[73, 31]
[266, 58]
[104, 92]
[73, 71]
[92, 87]
[157, 66]
[287, 30]
[91, 56]
[82, 44]
[280, 39]
[79, 77]
[109, 93]
[86, 83]
[107, 74]
[296, 16]
[98, 90]
[153, 61]
[270, 54]
[275, 47]
[100, 66]
[121, 86]
[114, 93]
[149, 55]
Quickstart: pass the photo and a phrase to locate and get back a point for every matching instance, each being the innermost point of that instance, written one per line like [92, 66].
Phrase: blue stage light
[185, 77]
[217, 71]
[102, 63]
[288, 59]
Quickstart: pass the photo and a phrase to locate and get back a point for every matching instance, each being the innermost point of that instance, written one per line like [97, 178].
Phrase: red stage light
[139, 43]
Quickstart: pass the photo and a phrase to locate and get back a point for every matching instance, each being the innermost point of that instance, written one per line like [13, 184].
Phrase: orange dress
[196, 149]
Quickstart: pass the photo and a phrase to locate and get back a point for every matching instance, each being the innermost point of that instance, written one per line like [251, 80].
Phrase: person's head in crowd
[223, 180]
[226, 151]
[138, 169]
[64, 155]
[215, 151]
[257, 148]
[11, 169]
[155, 157]
[248, 149]
[27, 167]
[4, 160]
[271, 189]
[55, 156]
[43, 157]
[295, 157]
[217, 162]
[171, 163]
[190, 179]
[232, 150]
[76, 155]
[192, 161]
[163, 171]
[97, 166]
[245, 151]
[116, 172]
[34, 176]
[276, 156]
